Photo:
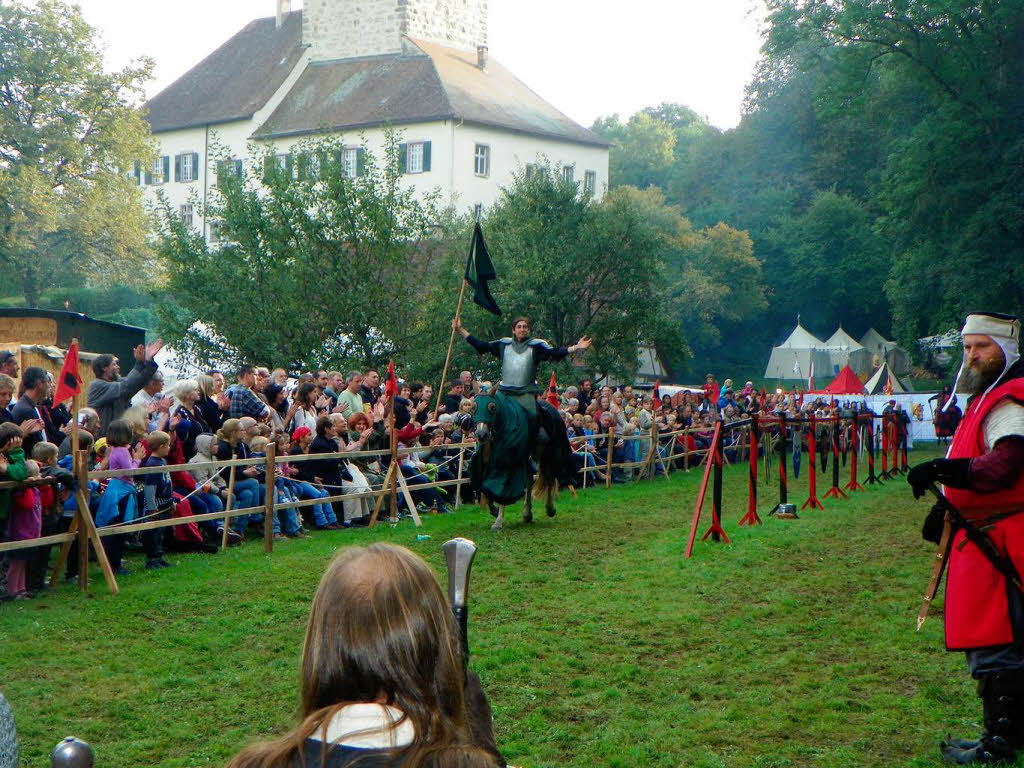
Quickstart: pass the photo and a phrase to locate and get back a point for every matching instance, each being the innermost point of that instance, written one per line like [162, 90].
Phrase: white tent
[844, 350]
[887, 352]
[794, 358]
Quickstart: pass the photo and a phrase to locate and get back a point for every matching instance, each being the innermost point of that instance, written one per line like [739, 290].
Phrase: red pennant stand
[904, 438]
[715, 440]
[835, 491]
[812, 480]
[885, 449]
[716, 532]
[853, 485]
[894, 443]
[752, 518]
[872, 478]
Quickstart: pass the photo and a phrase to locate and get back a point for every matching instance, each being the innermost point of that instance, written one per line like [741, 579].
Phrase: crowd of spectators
[133, 421]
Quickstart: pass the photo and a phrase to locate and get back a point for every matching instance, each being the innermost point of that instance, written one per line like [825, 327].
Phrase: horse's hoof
[495, 527]
[550, 511]
[527, 518]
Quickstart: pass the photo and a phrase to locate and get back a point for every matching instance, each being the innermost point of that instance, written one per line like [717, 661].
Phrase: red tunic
[977, 606]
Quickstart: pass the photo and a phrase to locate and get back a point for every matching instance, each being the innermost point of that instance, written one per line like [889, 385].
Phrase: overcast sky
[587, 57]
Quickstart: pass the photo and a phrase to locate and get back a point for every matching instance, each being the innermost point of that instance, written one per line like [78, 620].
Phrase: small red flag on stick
[69, 383]
[391, 386]
[553, 391]
[657, 393]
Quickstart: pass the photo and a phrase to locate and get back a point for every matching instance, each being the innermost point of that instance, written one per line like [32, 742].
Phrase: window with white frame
[590, 182]
[216, 234]
[313, 166]
[185, 211]
[350, 162]
[482, 160]
[569, 172]
[478, 210]
[531, 169]
[414, 158]
[281, 161]
[189, 172]
[157, 174]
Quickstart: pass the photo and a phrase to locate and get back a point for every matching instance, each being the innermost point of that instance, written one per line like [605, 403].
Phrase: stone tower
[345, 29]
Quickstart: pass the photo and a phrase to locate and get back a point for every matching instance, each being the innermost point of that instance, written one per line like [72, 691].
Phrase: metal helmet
[71, 753]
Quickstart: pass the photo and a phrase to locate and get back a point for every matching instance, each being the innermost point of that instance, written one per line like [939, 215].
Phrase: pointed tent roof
[876, 385]
[846, 383]
[842, 339]
[801, 338]
[874, 340]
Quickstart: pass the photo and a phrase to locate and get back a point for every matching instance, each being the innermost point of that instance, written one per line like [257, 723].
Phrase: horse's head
[488, 417]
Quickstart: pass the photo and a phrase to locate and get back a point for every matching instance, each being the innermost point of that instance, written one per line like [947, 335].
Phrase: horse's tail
[544, 483]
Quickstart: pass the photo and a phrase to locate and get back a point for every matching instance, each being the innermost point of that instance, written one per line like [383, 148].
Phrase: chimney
[481, 56]
[283, 7]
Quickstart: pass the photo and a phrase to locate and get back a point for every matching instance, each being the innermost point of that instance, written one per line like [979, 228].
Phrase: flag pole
[74, 417]
[448, 357]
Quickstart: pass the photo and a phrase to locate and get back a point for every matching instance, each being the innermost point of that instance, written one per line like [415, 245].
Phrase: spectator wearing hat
[413, 469]
[303, 476]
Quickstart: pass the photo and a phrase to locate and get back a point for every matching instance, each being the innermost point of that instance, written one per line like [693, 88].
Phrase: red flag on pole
[69, 383]
[657, 393]
[391, 385]
[553, 391]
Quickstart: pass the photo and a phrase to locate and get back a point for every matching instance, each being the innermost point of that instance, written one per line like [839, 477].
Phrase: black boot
[1002, 696]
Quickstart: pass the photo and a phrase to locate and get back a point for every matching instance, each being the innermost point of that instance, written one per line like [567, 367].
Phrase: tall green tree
[574, 266]
[312, 267]
[70, 135]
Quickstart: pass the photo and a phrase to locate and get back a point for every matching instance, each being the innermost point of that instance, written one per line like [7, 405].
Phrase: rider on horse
[520, 356]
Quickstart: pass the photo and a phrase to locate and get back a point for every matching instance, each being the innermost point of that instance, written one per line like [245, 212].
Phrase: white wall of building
[452, 170]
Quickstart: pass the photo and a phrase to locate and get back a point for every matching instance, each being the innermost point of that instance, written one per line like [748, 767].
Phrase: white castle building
[353, 68]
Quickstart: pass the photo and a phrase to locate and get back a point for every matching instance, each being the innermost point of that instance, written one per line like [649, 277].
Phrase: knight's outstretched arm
[482, 347]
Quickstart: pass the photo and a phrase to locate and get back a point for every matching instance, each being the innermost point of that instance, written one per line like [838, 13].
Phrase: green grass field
[598, 643]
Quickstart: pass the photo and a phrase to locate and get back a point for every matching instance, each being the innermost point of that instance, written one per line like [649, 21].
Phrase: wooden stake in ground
[394, 460]
[268, 506]
[388, 476]
[227, 508]
[87, 529]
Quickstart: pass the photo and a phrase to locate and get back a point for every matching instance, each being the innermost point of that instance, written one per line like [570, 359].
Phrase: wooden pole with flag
[391, 391]
[479, 272]
[552, 396]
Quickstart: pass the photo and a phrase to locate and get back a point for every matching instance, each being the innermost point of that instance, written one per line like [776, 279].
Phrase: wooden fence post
[458, 486]
[83, 534]
[268, 500]
[611, 449]
[227, 508]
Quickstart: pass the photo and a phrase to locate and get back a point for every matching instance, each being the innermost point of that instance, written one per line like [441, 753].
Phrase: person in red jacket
[983, 477]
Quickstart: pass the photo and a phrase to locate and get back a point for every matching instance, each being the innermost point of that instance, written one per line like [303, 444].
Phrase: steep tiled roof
[234, 81]
[426, 82]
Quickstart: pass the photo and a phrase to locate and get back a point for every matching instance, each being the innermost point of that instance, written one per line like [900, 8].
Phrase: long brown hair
[380, 630]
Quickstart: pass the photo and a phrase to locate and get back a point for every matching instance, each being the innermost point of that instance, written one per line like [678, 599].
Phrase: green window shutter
[269, 166]
[177, 167]
[426, 156]
[403, 157]
[336, 158]
[137, 172]
[360, 162]
[166, 162]
[195, 166]
[302, 166]
[149, 178]
[289, 164]
[239, 170]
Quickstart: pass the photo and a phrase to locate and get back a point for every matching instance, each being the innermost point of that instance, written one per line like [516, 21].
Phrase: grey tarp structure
[887, 352]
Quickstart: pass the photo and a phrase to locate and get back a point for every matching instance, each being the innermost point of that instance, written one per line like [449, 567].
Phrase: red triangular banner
[69, 383]
[553, 391]
[391, 385]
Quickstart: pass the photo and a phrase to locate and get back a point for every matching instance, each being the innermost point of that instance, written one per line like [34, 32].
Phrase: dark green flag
[480, 271]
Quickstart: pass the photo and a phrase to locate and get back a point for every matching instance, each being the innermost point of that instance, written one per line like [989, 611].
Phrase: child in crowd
[25, 521]
[213, 488]
[70, 504]
[157, 497]
[232, 444]
[287, 518]
[51, 497]
[119, 503]
[306, 482]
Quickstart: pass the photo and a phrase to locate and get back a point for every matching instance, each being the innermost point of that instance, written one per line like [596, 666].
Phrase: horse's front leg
[528, 501]
[499, 521]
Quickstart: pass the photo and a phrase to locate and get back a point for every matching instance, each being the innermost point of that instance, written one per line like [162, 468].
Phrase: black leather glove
[933, 524]
[952, 472]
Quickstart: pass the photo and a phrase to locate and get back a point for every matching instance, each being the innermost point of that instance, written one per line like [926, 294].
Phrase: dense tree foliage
[574, 266]
[877, 168]
[70, 134]
[331, 264]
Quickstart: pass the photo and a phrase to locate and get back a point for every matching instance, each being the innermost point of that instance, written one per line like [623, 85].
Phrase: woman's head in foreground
[380, 631]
